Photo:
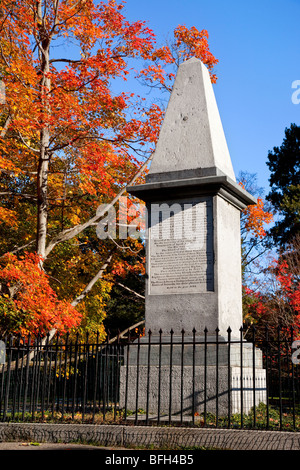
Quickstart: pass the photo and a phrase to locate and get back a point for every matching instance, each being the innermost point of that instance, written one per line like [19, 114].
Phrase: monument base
[217, 378]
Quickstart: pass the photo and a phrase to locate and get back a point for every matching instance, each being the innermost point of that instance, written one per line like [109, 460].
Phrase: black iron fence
[186, 379]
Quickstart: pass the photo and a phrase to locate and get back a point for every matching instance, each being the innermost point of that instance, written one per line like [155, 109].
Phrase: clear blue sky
[258, 47]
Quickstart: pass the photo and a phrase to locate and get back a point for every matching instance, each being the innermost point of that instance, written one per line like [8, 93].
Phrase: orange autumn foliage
[34, 298]
[256, 217]
[188, 43]
[194, 43]
[278, 306]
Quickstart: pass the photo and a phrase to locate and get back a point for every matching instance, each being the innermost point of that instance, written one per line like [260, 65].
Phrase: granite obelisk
[193, 263]
[193, 285]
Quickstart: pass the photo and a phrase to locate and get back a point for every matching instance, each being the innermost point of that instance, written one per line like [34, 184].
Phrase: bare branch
[74, 231]
[91, 284]
[11, 193]
[20, 248]
[130, 290]
[135, 252]
[123, 333]
[26, 145]
[71, 61]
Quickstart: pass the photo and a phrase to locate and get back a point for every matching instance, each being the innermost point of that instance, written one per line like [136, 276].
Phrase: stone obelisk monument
[194, 277]
[193, 251]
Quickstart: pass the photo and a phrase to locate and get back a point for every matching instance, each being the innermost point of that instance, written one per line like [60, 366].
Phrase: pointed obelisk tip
[192, 136]
[190, 60]
[194, 61]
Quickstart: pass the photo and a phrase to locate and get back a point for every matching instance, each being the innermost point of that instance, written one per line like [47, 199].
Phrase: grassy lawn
[260, 418]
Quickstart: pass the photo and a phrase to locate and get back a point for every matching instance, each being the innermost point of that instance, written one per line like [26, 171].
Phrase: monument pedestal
[188, 378]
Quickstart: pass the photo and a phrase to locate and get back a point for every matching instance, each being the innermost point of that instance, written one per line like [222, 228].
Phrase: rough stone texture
[216, 438]
[213, 392]
[192, 135]
[182, 391]
[156, 437]
[36, 432]
[187, 353]
[202, 371]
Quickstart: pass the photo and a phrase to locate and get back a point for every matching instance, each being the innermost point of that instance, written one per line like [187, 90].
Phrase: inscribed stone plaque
[181, 247]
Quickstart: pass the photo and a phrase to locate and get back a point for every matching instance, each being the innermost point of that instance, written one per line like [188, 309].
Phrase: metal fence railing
[189, 379]
[62, 378]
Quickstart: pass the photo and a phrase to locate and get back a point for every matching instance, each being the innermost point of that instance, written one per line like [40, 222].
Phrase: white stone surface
[192, 134]
[228, 272]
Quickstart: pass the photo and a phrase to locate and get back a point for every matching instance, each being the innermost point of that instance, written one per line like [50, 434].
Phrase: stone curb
[144, 436]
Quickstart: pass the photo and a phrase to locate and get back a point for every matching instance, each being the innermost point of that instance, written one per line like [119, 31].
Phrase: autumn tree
[277, 306]
[284, 165]
[275, 300]
[70, 141]
[255, 220]
[66, 137]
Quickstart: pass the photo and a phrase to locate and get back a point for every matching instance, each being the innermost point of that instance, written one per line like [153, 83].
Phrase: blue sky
[258, 47]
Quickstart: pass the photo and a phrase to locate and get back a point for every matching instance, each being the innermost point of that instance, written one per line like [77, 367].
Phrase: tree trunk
[42, 218]
[43, 165]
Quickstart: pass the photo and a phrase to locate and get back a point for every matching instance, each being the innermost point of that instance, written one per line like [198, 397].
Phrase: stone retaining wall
[143, 436]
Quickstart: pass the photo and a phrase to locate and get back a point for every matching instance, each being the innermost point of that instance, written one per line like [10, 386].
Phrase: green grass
[260, 418]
